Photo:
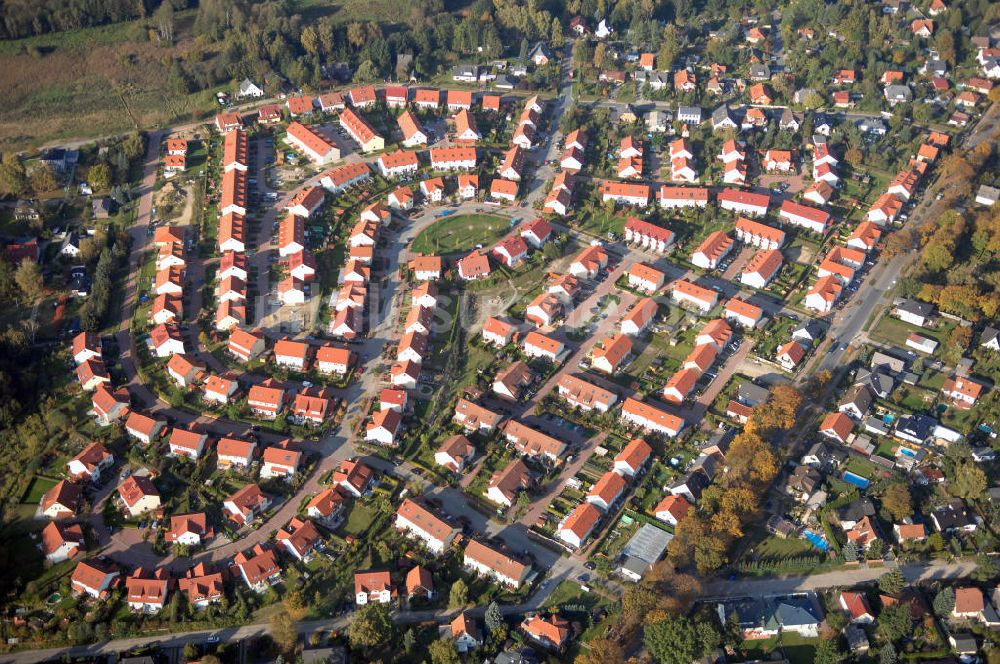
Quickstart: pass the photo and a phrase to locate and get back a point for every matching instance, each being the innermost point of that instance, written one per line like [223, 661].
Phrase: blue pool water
[889, 418]
[907, 452]
[856, 480]
[816, 540]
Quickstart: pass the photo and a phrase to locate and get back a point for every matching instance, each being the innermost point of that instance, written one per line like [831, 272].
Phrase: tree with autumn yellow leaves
[704, 537]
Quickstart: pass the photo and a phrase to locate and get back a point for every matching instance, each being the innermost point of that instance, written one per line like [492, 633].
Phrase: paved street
[386, 297]
[713, 590]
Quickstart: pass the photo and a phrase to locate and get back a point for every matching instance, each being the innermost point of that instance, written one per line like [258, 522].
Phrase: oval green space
[461, 232]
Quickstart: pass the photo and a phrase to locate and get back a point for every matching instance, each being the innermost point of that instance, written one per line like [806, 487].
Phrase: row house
[418, 521]
[683, 291]
[460, 158]
[804, 216]
[625, 193]
[398, 163]
[671, 198]
[651, 418]
[712, 251]
[584, 395]
[761, 268]
[358, 128]
[315, 145]
[759, 235]
[345, 177]
[744, 202]
[647, 235]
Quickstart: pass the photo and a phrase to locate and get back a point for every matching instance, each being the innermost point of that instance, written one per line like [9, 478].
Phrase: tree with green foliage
[887, 655]
[669, 48]
[372, 626]
[986, 569]
[191, 650]
[459, 595]
[894, 623]
[366, 72]
[409, 641]
[494, 617]
[443, 651]
[968, 481]
[850, 552]
[13, 176]
[944, 602]
[679, 640]
[828, 652]
[897, 501]
[892, 583]
[836, 620]
[28, 278]
[79, 632]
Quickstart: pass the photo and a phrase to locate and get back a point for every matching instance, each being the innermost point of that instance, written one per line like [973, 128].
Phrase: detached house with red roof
[139, 495]
[61, 542]
[94, 578]
[267, 399]
[220, 389]
[743, 313]
[188, 529]
[299, 537]
[202, 586]
[244, 506]
[589, 262]
[108, 406]
[353, 477]
[823, 294]
[672, 509]
[278, 461]
[963, 392]
[233, 452]
[474, 266]
[259, 568]
[142, 427]
[683, 291]
[454, 453]
[612, 354]
[326, 507]
[187, 443]
[639, 317]
[90, 463]
[837, 426]
[373, 587]
[857, 608]
[606, 491]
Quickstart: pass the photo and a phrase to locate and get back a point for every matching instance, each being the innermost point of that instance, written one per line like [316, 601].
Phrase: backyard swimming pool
[856, 480]
[816, 540]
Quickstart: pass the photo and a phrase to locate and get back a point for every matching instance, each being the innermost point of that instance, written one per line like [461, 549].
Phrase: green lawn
[461, 233]
[775, 547]
[569, 592]
[360, 519]
[39, 487]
